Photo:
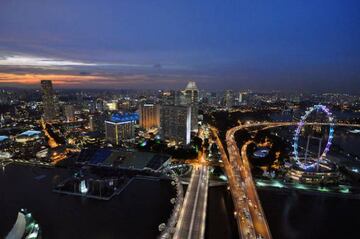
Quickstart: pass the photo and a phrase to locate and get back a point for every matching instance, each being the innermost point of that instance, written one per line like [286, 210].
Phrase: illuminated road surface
[242, 185]
[191, 224]
[34, 162]
[259, 222]
[242, 214]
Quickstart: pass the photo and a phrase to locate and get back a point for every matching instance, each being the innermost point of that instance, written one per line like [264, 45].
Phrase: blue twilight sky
[255, 44]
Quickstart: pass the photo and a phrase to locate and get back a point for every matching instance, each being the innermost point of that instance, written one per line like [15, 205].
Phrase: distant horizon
[62, 88]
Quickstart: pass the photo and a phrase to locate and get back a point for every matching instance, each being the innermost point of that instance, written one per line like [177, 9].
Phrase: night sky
[288, 45]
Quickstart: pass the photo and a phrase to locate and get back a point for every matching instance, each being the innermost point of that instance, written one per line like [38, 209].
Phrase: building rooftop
[30, 133]
[3, 138]
[261, 152]
[120, 118]
[191, 85]
[122, 158]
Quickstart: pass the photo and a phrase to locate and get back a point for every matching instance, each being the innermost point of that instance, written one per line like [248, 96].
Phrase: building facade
[49, 106]
[149, 116]
[69, 113]
[175, 121]
[97, 122]
[191, 94]
[121, 127]
[229, 99]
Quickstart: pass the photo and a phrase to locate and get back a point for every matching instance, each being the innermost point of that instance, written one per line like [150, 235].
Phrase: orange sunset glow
[73, 80]
[32, 79]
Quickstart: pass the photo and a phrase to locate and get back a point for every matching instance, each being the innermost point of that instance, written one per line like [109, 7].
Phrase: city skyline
[179, 119]
[103, 145]
[241, 45]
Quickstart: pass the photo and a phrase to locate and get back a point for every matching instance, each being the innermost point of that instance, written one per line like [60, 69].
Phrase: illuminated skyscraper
[50, 109]
[99, 105]
[191, 94]
[121, 127]
[229, 99]
[240, 99]
[172, 97]
[112, 105]
[69, 113]
[149, 115]
[175, 122]
[97, 122]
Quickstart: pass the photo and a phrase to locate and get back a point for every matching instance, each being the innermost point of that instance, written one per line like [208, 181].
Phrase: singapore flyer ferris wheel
[301, 124]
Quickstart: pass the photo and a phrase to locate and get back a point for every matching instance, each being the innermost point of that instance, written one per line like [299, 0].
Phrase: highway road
[249, 213]
[258, 217]
[240, 165]
[242, 211]
[243, 168]
[191, 224]
[33, 162]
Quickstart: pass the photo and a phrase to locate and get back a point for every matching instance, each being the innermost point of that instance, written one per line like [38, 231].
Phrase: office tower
[175, 122]
[179, 97]
[213, 98]
[112, 105]
[191, 94]
[121, 127]
[4, 97]
[240, 99]
[50, 108]
[97, 122]
[69, 113]
[165, 98]
[149, 116]
[124, 105]
[229, 99]
[91, 106]
[172, 97]
[99, 105]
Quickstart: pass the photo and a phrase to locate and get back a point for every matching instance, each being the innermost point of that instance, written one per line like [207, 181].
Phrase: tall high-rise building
[149, 115]
[191, 94]
[229, 99]
[112, 105]
[121, 127]
[69, 113]
[97, 122]
[175, 123]
[99, 105]
[172, 97]
[240, 99]
[91, 106]
[50, 109]
[179, 97]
